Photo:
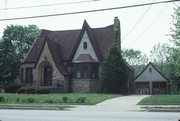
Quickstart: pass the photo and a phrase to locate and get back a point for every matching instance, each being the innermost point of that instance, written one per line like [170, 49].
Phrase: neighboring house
[69, 59]
[151, 81]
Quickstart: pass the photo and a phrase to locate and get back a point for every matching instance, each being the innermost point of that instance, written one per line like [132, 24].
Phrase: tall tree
[175, 56]
[136, 59]
[16, 42]
[159, 55]
[114, 74]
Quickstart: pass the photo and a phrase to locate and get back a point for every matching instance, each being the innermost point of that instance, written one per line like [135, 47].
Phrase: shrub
[21, 91]
[65, 99]
[30, 91]
[17, 99]
[81, 100]
[42, 91]
[30, 100]
[49, 101]
[2, 99]
[12, 89]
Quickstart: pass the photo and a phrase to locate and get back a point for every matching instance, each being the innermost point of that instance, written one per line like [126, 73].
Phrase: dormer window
[150, 70]
[85, 45]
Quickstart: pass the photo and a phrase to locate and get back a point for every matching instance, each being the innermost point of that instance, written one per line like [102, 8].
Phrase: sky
[141, 27]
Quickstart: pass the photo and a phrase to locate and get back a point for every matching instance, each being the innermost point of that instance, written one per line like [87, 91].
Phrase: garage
[151, 81]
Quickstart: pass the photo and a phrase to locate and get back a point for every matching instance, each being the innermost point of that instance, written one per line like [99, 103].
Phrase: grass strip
[161, 100]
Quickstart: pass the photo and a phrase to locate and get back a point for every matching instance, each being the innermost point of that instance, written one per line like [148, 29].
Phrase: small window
[150, 70]
[85, 45]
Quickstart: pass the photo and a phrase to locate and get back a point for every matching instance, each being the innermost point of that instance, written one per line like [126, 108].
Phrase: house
[69, 59]
[151, 81]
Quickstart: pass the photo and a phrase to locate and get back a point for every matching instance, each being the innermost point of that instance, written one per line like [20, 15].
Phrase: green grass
[161, 100]
[57, 99]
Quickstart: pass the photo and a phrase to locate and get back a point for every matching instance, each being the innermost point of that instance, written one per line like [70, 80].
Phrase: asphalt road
[52, 115]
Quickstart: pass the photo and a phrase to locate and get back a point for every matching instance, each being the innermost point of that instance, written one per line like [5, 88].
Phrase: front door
[47, 75]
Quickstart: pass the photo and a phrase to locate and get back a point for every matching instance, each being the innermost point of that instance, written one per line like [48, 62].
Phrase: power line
[136, 23]
[147, 27]
[48, 5]
[88, 11]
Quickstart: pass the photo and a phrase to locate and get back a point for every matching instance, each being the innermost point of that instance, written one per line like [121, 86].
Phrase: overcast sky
[152, 22]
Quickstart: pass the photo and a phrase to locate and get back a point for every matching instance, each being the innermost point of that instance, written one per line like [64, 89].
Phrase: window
[29, 74]
[22, 75]
[85, 45]
[85, 70]
[48, 75]
[150, 70]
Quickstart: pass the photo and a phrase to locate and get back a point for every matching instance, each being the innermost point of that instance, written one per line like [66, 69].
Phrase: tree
[136, 59]
[175, 55]
[16, 41]
[159, 55]
[114, 75]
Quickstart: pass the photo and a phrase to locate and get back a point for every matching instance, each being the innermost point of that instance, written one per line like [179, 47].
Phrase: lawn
[161, 100]
[54, 99]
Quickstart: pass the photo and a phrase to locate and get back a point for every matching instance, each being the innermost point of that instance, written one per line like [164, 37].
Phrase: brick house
[68, 59]
[151, 81]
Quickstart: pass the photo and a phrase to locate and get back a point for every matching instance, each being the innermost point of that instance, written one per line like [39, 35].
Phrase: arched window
[48, 75]
[85, 45]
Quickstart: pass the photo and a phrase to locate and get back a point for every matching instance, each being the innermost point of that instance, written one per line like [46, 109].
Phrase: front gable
[85, 47]
[150, 73]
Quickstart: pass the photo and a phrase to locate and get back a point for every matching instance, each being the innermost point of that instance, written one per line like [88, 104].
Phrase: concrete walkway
[124, 103]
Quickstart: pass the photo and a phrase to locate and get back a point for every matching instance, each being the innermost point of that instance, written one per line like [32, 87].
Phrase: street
[52, 115]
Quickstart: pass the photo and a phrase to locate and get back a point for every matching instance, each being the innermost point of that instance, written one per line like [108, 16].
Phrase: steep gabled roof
[155, 75]
[92, 39]
[64, 43]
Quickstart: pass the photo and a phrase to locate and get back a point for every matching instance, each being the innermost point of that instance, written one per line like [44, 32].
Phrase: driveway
[124, 103]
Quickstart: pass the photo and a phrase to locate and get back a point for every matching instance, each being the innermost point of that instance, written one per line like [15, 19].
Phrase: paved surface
[54, 115]
[124, 103]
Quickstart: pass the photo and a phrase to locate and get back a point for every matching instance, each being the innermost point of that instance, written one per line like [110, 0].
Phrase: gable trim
[154, 68]
[86, 28]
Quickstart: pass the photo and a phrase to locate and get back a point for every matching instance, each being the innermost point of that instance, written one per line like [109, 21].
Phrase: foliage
[1, 99]
[162, 100]
[81, 100]
[65, 99]
[12, 89]
[134, 57]
[84, 99]
[33, 91]
[174, 60]
[16, 41]
[159, 55]
[114, 75]
[30, 100]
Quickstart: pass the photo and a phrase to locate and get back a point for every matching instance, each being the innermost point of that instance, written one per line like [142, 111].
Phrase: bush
[12, 89]
[21, 91]
[42, 91]
[30, 100]
[2, 99]
[49, 101]
[30, 91]
[65, 99]
[81, 100]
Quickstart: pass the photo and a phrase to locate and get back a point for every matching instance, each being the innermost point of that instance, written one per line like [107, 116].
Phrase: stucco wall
[89, 50]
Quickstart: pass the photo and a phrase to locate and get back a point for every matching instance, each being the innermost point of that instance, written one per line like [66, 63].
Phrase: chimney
[117, 30]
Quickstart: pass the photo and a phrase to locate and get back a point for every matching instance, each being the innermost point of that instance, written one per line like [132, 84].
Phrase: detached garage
[151, 81]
